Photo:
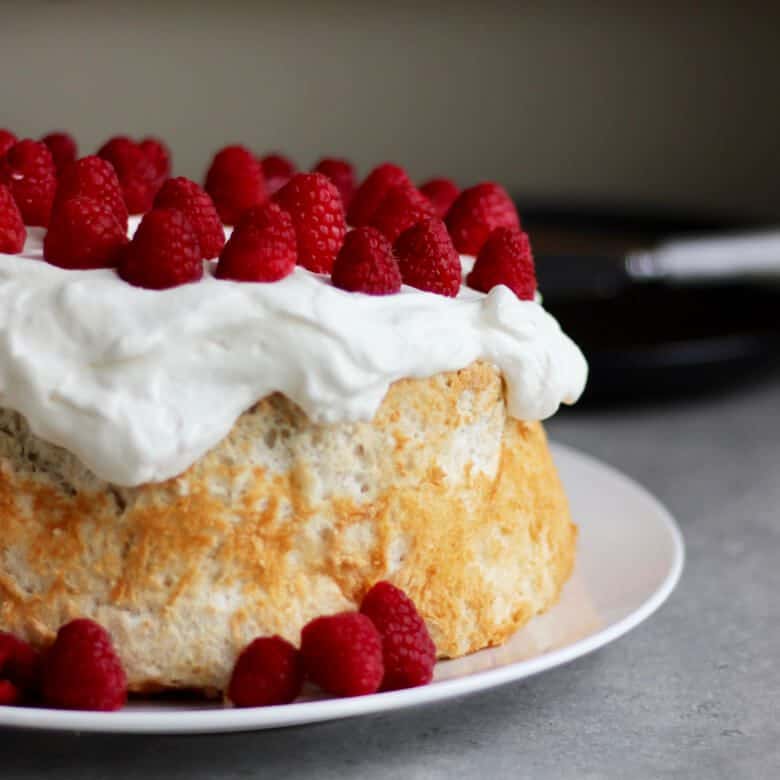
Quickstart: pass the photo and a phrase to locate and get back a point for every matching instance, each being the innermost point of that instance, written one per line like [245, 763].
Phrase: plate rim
[201, 721]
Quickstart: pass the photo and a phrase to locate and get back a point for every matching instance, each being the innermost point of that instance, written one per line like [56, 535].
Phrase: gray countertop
[692, 693]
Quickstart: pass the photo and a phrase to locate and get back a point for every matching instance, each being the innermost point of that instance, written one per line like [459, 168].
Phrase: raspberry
[235, 183]
[82, 671]
[277, 170]
[83, 233]
[20, 670]
[315, 206]
[135, 171]
[268, 671]
[366, 264]
[505, 258]
[477, 211]
[408, 651]
[427, 259]
[96, 179]
[371, 192]
[63, 149]
[261, 248]
[164, 252]
[401, 208]
[343, 654]
[187, 196]
[12, 231]
[159, 156]
[441, 193]
[7, 140]
[342, 174]
[28, 171]
[9, 694]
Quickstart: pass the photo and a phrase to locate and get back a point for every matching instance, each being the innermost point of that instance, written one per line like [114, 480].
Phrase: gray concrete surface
[692, 693]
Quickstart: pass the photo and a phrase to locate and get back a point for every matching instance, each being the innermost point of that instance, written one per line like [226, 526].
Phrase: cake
[197, 466]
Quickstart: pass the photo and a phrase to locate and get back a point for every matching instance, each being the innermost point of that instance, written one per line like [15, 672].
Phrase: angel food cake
[203, 444]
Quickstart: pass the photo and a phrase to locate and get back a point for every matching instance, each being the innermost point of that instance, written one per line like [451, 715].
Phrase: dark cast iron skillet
[647, 340]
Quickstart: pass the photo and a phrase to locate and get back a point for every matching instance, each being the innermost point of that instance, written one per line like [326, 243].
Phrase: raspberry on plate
[94, 178]
[343, 654]
[9, 694]
[441, 193]
[235, 182]
[342, 174]
[7, 140]
[83, 233]
[371, 192]
[262, 247]
[476, 212]
[505, 259]
[164, 252]
[20, 670]
[314, 204]
[135, 171]
[277, 170]
[12, 230]
[366, 264]
[62, 147]
[82, 671]
[194, 201]
[28, 171]
[408, 652]
[401, 208]
[427, 259]
[269, 671]
[159, 156]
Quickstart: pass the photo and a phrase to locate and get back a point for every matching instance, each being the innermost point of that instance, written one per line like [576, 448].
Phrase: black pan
[649, 339]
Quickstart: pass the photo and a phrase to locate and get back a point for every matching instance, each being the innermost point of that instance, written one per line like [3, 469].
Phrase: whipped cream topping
[139, 384]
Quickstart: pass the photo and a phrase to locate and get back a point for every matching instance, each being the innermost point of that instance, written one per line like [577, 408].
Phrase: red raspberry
[366, 264]
[476, 212]
[371, 192]
[268, 671]
[63, 149]
[135, 171]
[343, 654]
[9, 694]
[83, 233]
[7, 140]
[189, 197]
[94, 178]
[20, 670]
[261, 248]
[277, 170]
[235, 183]
[164, 252]
[408, 652]
[12, 231]
[505, 258]
[441, 193]
[427, 259]
[159, 156]
[28, 171]
[342, 174]
[401, 208]
[82, 671]
[315, 205]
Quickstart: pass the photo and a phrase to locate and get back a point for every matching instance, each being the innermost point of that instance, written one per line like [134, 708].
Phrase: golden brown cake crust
[284, 520]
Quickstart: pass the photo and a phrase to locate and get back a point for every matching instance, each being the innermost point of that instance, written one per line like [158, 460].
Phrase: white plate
[630, 558]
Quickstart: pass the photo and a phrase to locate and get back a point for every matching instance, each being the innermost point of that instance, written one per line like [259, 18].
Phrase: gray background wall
[646, 102]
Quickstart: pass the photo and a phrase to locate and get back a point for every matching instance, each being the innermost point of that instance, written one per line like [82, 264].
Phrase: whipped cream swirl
[139, 384]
